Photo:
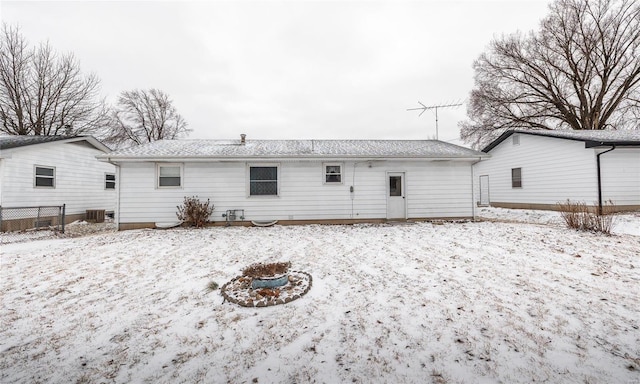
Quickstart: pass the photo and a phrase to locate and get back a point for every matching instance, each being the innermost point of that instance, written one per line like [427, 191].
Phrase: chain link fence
[27, 223]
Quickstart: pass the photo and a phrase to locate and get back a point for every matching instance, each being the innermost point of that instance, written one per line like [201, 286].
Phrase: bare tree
[43, 93]
[580, 71]
[143, 116]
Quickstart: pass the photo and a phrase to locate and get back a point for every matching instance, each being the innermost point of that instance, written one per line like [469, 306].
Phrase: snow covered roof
[21, 141]
[590, 138]
[230, 149]
[7, 142]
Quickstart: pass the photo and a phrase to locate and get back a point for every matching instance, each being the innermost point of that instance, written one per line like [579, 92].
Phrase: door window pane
[395, 185]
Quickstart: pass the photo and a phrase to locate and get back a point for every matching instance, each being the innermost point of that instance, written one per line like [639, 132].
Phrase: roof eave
[90, 139]
[589, 143]
[176, 159]
[595, 144]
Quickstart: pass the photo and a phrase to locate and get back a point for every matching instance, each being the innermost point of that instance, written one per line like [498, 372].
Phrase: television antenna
[424, 108]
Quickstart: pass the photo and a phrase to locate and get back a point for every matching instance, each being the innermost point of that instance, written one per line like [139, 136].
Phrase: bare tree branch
[580, 70]
[143, 116]
[42, 93]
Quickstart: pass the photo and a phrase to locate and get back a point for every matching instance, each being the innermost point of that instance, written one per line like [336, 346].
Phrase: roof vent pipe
[242, 138]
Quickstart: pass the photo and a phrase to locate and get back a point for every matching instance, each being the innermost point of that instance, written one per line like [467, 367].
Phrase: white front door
[484, 191]
[396, 201]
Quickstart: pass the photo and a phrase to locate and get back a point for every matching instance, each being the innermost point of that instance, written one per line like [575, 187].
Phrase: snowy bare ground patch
[75, 229]
[451, 303]
[623, 223]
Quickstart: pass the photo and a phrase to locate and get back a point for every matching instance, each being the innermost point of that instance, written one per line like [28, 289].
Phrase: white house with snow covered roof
[55, 170]
[538, 169]
[295, 181]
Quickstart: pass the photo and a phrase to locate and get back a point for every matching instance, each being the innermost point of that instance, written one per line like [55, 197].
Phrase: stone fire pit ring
[239, 290]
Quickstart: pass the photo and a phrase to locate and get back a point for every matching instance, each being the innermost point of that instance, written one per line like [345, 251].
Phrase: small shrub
[579, 216]
[573, 213]
[265, 270]
[212, 286]
[195, 212]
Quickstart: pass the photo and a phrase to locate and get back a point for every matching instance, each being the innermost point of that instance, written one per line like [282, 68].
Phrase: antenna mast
[424, 108]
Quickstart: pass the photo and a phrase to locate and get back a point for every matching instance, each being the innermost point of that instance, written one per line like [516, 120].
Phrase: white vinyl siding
[620, 170]
[79, 177]
[433, 189]
[553, 170]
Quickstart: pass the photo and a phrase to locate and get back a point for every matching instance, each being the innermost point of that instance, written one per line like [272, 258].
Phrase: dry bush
[573, 213]
[579, 215]
[194, 212]
[265, 270]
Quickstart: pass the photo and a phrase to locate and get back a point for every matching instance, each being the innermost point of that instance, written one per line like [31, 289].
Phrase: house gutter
[600, 178]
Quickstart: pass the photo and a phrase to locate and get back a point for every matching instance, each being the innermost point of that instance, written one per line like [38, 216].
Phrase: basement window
[45, 177]
[516, 177]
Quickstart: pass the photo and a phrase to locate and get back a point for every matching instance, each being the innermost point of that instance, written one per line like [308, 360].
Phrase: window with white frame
[516, 177]
[332, 173]
[44, 177]
[169, 175]
[263, 180]
[109, 181]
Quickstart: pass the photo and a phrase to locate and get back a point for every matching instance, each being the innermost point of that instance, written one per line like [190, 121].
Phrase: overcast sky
[286, 69]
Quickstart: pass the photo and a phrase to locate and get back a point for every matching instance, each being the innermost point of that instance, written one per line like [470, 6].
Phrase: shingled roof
[590, 138]
[7, 142]
[230, 149]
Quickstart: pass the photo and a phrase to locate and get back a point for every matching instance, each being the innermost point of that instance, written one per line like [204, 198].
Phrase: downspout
[600, 178]
[119, 182]
[473, 189]
[116, 215]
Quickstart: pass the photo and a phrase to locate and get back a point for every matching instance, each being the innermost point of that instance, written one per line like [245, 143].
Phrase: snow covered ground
[628, 223]
[493, 301]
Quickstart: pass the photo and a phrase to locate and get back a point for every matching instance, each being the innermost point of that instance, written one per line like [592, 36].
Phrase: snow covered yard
[444, 303]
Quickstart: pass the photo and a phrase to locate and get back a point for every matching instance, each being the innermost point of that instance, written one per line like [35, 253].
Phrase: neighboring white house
[295, 181]
[538, 169]
[55, 170]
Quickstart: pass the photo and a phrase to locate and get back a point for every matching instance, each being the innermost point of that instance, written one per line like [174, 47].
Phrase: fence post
[63, 212]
